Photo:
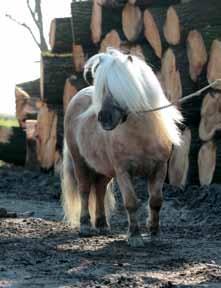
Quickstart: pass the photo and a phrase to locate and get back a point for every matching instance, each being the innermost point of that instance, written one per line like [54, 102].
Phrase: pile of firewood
[181, 42]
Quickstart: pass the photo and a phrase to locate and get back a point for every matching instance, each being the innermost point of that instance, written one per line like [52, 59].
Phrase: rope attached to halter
[190, 96]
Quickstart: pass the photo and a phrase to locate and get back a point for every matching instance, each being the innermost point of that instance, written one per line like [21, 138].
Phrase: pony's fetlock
[102, 226]
[136, 241]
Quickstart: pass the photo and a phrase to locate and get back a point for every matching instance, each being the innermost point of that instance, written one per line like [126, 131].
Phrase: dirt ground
[38, 250]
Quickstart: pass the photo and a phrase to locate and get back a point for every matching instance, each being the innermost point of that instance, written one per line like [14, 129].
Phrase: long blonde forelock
[134, 86]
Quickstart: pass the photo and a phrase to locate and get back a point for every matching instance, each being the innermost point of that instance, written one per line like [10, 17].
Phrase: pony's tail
[70, 197]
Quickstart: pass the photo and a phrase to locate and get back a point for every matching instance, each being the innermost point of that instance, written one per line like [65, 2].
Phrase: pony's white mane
[133, 85]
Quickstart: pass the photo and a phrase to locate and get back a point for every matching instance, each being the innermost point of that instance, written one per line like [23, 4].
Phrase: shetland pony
[109, 133]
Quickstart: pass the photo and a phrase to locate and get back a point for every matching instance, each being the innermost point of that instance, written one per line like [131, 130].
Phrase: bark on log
[214, 65]
[78, 58]
[197, 54]
[12, 145]
[171, 27]
[55, 69]
[179, 161]
[60, 35]
[152, 34]
[207, 163]
[210, 116]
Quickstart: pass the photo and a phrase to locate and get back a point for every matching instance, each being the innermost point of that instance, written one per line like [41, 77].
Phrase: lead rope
[192, 95]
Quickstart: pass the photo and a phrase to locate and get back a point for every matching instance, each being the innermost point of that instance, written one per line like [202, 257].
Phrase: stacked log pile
[181, 42]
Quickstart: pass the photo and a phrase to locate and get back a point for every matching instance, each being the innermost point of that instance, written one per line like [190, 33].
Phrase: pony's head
[126, 84]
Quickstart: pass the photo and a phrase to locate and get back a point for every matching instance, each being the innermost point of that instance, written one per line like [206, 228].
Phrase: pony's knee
[155, 202]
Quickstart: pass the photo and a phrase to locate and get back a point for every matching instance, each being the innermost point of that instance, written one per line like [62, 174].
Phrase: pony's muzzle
[106, 120]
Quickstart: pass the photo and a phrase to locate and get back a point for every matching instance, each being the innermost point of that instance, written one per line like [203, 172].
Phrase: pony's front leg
[155, 185]
[131, 204]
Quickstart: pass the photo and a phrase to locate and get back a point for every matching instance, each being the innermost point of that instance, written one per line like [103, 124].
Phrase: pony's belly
[141, 166]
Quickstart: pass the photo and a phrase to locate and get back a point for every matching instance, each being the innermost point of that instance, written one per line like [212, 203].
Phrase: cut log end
[112, 39]
[179, 161]
[214, 65]
[69, 91]
[210, 116]
[207, 162]
[171, 27]
[132, 22]
[152, 34]
[197, 54]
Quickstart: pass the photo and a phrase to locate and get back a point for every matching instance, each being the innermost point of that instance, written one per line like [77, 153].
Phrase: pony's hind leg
[131, 204]
[100, 216]
[155, 185]
[84, 188]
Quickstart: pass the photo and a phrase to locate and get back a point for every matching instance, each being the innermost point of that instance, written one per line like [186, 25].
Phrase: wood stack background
[181, 40]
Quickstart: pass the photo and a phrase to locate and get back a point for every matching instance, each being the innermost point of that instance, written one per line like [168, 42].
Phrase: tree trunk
[60, 35]
[171, 27]
[55, 69]
[12, 145]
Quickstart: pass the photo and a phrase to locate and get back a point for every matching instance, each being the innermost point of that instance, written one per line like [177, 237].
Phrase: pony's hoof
[86, 231]
[105, 230]
[136, 241]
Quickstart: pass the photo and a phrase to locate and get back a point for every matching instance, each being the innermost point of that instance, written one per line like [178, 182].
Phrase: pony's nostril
[99, 117]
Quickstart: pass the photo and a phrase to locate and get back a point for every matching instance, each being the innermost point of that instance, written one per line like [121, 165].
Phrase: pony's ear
[130, 58]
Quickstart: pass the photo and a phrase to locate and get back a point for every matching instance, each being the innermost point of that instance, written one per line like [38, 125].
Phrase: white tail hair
[134, 86]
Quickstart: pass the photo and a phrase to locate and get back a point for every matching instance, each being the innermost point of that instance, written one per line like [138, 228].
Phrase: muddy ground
[38, 250]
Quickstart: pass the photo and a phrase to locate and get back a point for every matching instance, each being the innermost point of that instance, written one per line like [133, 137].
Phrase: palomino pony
[109, 133]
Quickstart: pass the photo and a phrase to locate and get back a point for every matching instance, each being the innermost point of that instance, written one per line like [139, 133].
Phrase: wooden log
[55, 69]
[191, 16]
[83, 24]
[132, 22]
[73, 84]
[96, 22]
[171, 27]
[197, 54]
[151, 33]
[26, 106]
[31, 161]
[12, 145]
[170, 77]
[179, 161]
[112, 39]
[60, 35]
[49, 135]
[214, 65]
[210, 116]
[207, 162]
